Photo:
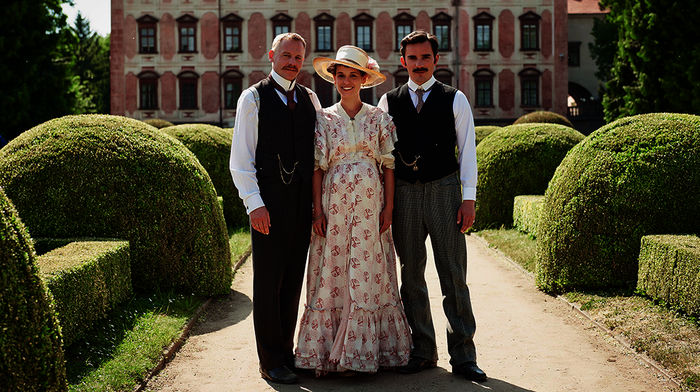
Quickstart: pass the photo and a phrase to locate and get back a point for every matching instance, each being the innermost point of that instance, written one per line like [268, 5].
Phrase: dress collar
[345, 116]
[414, 86]
[286, 84]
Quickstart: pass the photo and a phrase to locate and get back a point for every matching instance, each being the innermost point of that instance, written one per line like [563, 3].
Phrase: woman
[353, 318]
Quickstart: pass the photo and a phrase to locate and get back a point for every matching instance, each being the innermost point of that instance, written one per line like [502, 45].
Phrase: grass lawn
[670, 338]
[121, 350]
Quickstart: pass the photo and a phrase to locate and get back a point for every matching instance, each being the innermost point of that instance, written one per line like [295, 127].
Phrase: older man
[272, 162]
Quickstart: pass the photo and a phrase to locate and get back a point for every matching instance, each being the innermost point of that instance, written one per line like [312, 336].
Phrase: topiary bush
[158, 123]
[526, 213]
[110, 176]
[517, 160]
[484, 130]
[212, 146]
[544, 117]
[31, 356]
[636, 176]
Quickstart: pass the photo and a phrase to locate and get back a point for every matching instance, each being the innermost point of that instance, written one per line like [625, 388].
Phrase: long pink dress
[353, 318]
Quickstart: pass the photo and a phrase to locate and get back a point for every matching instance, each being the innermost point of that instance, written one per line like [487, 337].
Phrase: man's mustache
[290, 68]
[420, 69]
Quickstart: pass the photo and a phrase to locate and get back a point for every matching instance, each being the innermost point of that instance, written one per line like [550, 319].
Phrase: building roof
[585, 7]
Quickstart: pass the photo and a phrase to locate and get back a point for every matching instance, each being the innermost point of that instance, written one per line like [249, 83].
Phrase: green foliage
[657, 62]
[526, 213]
[484, 130]
[86, 279]
[35, 71]
[542, 116]
[31, 357]
[90, 67]
[604, 46]
[669, 270]
[212, 146]
[517, 160]
[158, 123]
[115, 177]
[636, 176]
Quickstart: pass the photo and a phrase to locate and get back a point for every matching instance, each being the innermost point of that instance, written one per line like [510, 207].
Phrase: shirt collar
[413, 86]
[286, 84]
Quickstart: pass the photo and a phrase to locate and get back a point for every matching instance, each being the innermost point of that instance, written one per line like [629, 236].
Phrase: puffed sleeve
[387, 138]
[321, 142]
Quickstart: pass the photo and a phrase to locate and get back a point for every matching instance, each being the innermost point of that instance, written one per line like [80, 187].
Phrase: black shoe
[470, 371]
[280, 375]
[416, 364]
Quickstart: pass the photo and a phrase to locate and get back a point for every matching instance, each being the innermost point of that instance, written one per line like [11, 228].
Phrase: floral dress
[353, 318]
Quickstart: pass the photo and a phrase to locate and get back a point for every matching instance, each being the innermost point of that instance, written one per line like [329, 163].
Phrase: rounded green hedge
[517, 160]
[636, 176]
[484, 130]
[212, 147]
[111, 176]
[158, 123]
[544, 117]
[31, 356]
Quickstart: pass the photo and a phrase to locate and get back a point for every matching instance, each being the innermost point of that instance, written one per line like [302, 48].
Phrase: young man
[432, 118]
[272, 162]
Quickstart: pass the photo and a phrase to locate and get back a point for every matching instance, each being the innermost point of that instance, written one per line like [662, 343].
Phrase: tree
[90, 68]
[657, 61]
[35, 76]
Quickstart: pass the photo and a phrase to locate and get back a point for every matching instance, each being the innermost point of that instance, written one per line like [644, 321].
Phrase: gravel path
[526, 341]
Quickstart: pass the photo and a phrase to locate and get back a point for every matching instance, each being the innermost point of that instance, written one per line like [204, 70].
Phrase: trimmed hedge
[517, 160]
[526, 213]
[158, 123]
[87, 279]
[116, 177]
[212, 147]
[484, 130]
[669, 270]
[636, 176]
[543, 116]
[31, 356]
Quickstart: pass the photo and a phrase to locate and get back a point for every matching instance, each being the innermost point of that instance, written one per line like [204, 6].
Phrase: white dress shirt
[464, 126]
[245, 142]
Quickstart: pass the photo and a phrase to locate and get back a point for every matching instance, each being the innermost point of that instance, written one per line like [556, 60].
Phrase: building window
[400, 77]
[363, 31]
[483, 32]
[530, 31]
[483, 83]
[233, 85]
[530, 87]
[148, 90]
[147, 34]
[324, 32]
[444, 76]
[404, 26]
[187, 26]
[231, 25]
[574, 54]
[188, 90]
[441, 28]
[281, 24]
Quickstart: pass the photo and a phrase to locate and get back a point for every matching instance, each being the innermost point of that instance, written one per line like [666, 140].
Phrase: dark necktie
[419, 94]
[289, 94]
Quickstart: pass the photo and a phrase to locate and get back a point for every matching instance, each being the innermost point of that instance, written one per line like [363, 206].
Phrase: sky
[96, 11]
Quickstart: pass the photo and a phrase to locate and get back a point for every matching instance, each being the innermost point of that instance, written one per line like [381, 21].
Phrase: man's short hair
[281, 37]
[417, 37]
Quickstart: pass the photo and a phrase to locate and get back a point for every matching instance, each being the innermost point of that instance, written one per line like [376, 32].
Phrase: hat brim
[321, 64]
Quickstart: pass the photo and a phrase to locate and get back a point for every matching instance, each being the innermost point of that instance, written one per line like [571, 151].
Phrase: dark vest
[429, 134]
[286, 133]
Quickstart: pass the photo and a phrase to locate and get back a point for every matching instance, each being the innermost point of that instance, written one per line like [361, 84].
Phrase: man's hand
[385, 219]
[260, 220]
[320, 224]
[465, 215]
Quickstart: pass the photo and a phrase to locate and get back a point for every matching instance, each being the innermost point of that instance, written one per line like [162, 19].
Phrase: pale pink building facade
[187, 60]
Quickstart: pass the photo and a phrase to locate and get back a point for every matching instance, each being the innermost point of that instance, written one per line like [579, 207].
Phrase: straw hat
[353, 57]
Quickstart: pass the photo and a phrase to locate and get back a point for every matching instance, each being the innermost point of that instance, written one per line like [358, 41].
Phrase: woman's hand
[319, 224]
[385, 219]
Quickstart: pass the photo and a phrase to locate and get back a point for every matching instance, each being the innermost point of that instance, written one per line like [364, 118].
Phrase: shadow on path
[223, 312]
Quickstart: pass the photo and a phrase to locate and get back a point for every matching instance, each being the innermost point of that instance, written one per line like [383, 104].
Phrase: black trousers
[279, 260]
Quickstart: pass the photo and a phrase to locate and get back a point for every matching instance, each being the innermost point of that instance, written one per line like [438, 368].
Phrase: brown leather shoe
[280, 375]
[470, 371]
[416, 365]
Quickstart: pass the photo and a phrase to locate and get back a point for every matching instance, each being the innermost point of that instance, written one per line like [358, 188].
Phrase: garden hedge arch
[111, 176]
[636, 176]
[517, 160]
